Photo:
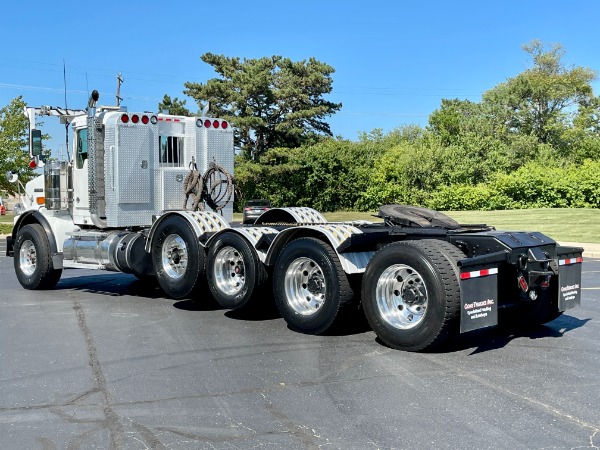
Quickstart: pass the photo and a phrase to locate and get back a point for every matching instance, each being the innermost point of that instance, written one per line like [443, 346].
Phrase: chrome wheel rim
[229, 271]
[401, 296]
[174, 255]
[305, 286]
[27, 258]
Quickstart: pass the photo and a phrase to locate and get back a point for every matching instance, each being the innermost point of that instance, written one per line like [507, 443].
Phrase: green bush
[531, 186]
[415, 166]
[469, 198]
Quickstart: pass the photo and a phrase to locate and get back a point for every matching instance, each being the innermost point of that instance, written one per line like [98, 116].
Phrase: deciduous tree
[14, 133]
[541, 100]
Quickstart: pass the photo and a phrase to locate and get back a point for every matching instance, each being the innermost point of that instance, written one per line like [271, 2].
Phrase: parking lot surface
[106, 361]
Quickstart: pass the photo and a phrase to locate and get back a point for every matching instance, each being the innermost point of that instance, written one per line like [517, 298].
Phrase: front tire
[411, 294]
[32, 259]
[236, 274]
[309, 285]
[177, 257]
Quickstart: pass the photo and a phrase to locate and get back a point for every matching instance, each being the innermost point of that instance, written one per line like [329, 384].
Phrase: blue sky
[394, 60]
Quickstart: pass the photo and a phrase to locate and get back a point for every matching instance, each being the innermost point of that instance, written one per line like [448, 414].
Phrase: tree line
[532, 141]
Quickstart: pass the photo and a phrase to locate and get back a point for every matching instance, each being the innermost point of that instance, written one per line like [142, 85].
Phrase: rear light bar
[135, 118]
[200, 123]
[207, 123]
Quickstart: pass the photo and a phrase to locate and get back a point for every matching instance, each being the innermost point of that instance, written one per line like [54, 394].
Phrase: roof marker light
[124, 118]
[224, 125]
[135, 118]
[216, 124]
[145, 120]
[153, 120]
[207, 123]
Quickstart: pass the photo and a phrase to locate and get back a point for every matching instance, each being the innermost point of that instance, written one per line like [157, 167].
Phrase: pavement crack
[115, 428]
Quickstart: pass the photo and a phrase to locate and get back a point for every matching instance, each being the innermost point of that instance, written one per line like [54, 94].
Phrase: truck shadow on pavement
[496, 338]
[119, 284]
[111, 284]
[350, 320]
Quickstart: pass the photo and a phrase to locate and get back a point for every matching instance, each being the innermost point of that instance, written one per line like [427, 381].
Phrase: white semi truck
[150, 194]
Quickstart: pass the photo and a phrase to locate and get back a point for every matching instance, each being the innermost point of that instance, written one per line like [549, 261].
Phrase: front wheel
[32, 259]
[235, 273]
[411, 293]
[177, 257]
[309, 285]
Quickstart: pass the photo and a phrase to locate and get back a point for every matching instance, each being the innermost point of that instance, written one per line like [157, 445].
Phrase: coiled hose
[214, 188]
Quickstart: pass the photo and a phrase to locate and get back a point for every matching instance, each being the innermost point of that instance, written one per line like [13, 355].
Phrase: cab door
[81, 199]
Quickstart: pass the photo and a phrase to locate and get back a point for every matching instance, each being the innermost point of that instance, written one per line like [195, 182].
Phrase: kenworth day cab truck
[121, 203]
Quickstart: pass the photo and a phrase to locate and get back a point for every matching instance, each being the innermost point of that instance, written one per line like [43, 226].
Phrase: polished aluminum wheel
[174, 256]
[27, 258]
[229, 271]
[305, 286]
[401, 296]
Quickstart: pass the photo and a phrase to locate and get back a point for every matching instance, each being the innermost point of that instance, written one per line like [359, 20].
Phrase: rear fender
[204, 224]
[334, 234]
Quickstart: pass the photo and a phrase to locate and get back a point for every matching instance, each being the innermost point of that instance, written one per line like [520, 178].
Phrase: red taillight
[523, 283]
[546, 283]
[247, 209]
[216, 124]
[145, 120]
[224, 125]
[207, 123]
[135, 118]
[124, 118]
[265, 209]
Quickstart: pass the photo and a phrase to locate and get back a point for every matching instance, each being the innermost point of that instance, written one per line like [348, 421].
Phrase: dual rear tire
[310, 285]
[236, 276]
[411, 294]
[177, 257]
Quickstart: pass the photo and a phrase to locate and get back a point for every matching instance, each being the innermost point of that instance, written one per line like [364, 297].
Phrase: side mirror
[36, 142]
[11, 177]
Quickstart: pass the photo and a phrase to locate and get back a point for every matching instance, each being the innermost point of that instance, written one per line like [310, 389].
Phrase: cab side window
[82, 147]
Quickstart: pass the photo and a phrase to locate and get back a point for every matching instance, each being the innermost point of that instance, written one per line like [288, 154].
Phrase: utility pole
[119, 83]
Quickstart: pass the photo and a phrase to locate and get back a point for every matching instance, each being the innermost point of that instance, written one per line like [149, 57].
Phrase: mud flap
[479, 299]
[569, 281]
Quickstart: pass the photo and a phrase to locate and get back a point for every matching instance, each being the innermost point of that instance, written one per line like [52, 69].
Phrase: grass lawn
[6, 223]
[567, 225]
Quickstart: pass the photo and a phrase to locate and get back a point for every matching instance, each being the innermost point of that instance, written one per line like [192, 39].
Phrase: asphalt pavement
[105, 361]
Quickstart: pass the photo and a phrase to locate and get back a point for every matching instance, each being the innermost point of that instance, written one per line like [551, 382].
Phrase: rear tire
[235, 273]
[177, 257]
[309, 285]
[32, 259]
[411, 294]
